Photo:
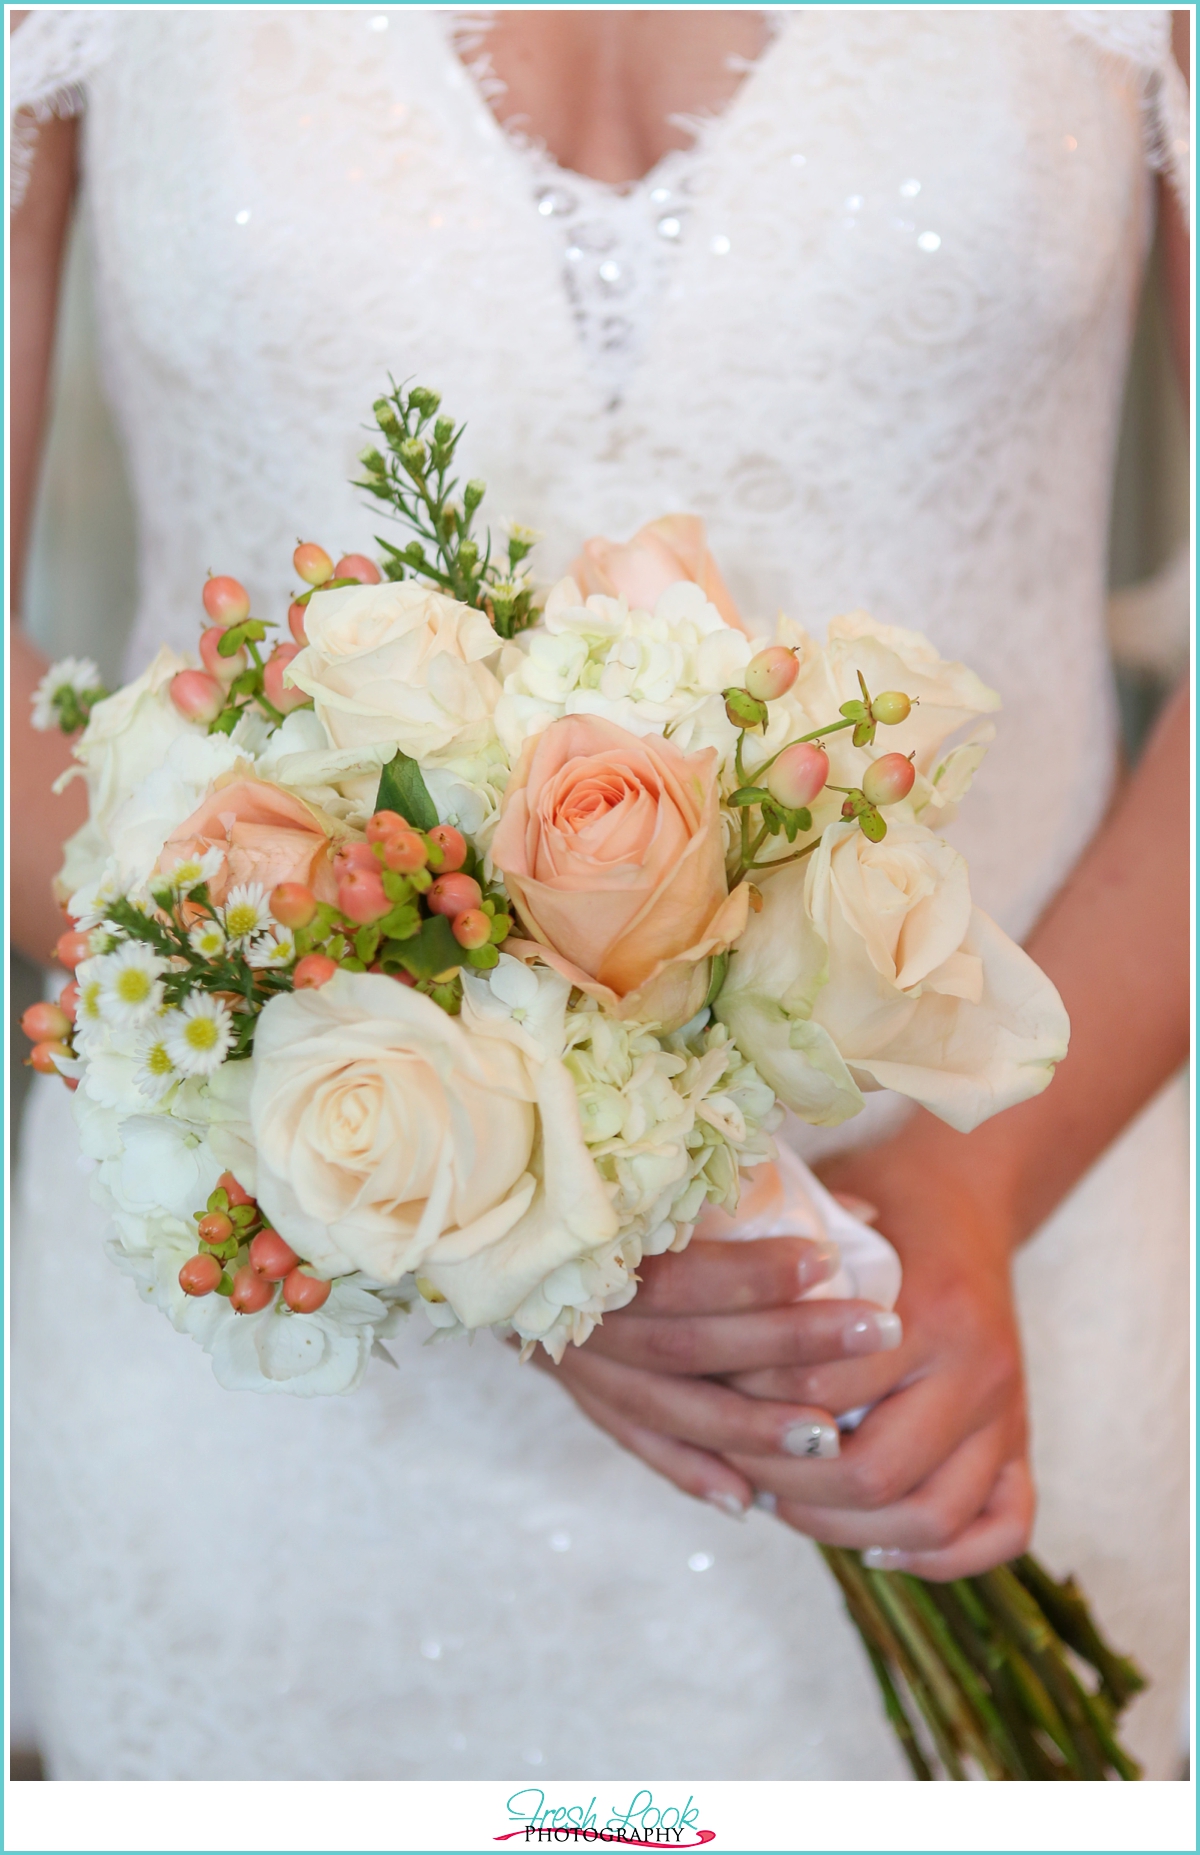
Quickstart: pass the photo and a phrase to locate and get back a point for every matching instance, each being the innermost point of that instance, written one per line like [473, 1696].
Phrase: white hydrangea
[659, 672]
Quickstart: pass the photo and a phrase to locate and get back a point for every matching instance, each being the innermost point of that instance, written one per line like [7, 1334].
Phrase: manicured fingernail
[766, 1500]
[820, 1260]
[876, 1332]
[727, 1502]
[885, 1558]
[811, 1439]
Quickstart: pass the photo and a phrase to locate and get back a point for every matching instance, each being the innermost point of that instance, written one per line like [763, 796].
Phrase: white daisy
[88, 1016]
[207, 939]
[130, 986]
[198, 1035]
[246, 912]
[88, 906]
[277, 948]
[156, 1072]
[70, 676]
[190, 872]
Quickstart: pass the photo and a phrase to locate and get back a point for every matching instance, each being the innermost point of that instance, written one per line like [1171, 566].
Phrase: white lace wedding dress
[873, 327]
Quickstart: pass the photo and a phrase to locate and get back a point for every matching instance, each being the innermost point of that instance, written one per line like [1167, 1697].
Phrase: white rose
[128, 735]
[391, 1137]
[168, 795]
[871, 968]
[401, 664]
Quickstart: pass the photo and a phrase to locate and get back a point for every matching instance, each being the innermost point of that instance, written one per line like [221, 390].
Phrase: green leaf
[749, 795]
[483, 957]
[854, 711]
[863, 734]
[401, 922]
[366, 942]
[231, 641]
[434, 950]
[224, 1286]
[872, 825]
[402, 789]
[717, 972]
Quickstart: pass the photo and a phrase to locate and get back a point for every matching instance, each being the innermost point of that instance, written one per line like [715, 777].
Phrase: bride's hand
[650, 1375]
[936, 1477]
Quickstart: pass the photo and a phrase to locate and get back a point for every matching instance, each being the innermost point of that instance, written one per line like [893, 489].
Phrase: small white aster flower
[197, 1037]
[88, 1016]
[277, 948]
[71, 674]
[190, 872]
[155, 1072]
[88, 906]
[246, 912]
[207, 939]
[130, 986]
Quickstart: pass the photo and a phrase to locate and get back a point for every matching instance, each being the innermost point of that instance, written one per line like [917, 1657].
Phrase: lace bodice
[872, 325]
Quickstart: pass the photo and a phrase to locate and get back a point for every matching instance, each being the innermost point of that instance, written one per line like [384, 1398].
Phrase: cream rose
[401, 664]
[391, 1137]
[871, 968]
[611, 847]
[661, 554]
[127, 737]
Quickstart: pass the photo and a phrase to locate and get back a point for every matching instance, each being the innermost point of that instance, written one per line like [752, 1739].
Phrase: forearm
[1115, 942]
[41, 821]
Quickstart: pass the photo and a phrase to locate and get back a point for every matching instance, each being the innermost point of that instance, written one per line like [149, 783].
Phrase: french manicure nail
[811, 1439]
[876, 1332]
[766, 1500]
[885, 1558]
[728, 1503]
[819, 1261]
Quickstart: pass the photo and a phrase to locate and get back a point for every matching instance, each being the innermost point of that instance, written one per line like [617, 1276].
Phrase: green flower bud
[473, 494]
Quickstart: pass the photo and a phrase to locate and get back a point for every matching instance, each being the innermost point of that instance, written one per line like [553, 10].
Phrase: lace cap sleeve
[1141, 38]
[52, 54]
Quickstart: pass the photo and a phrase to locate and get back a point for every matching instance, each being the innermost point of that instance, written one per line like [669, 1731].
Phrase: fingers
[696, 1411]
[715, 1345]
[720, 1278]
[999, 1533]
[842, 1385]
[927, 1520]
[693, 1471]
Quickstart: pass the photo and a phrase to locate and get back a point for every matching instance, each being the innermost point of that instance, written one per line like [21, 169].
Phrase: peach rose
[660, 555]
[267, 834]
[611, 848]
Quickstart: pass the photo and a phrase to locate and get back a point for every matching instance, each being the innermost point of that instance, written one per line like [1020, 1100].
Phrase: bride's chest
[308, 187]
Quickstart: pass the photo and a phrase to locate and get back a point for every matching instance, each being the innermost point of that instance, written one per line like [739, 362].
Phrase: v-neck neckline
[709, 125]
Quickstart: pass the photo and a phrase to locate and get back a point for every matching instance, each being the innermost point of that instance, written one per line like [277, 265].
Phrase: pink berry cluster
[241, 1257]
[48, 1026]
[235, 676]
[786, 785]
[406, 906]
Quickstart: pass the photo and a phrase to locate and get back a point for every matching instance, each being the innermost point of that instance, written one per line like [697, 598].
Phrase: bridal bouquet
[456, 952]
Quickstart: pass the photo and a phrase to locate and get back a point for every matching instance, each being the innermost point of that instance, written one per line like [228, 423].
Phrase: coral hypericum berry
[236, 1194]
[772, 673]
[68, 1000]
[453, 846]
[251, 1292]
[215, 1227]
[361, 897]
[385, 824]
[226, 600]
[405, 852]
[197, 695]
[454, 895]
[293, 904]
[798, 775]
[304, 1294]
[313, 970]
[42, 1056]
[271, 1257]
[312, 563]
[280, 695]
[888, 779]
[471, 929]
[224, 669]
[200, 1275]
[296, 622]
[357, 567]
[45, 1022]
[891, 708]
[72, 947]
